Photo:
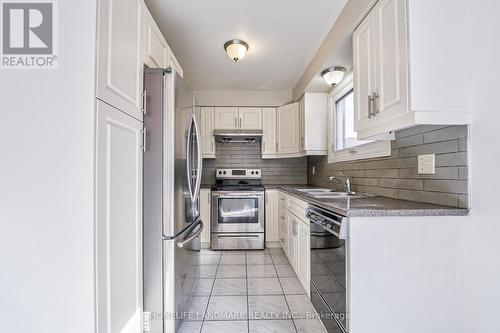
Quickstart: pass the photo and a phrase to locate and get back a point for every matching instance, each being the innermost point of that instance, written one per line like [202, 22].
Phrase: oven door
[239, 211]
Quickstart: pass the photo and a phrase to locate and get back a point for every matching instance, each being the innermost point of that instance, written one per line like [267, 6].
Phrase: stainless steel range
[238, 210]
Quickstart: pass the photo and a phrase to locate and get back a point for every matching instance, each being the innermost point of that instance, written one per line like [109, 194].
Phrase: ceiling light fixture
[236, 49]
[333, 75]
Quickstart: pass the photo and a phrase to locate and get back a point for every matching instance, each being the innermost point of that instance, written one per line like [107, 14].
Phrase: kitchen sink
[315, 190]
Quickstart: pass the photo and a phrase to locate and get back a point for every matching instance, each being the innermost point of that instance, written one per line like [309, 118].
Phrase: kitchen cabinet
[250, 118]
[120, 49]
[303, 254]
[288, 130]
[234, 118]
[205, 209]
[313, 124]
[403, 74]
[156, 50]
[272, 216]
[283, 227]
[269, 133]
[118, 224]
[292, 232]
[226, 118]
[207, 130]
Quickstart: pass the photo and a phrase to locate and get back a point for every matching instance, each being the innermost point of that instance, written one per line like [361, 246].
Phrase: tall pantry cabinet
[127, 40]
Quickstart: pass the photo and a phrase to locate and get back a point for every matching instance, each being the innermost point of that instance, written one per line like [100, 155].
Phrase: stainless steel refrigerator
[172, 179]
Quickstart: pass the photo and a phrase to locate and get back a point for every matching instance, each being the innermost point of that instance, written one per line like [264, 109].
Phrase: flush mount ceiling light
[236, 49]
[333, 75]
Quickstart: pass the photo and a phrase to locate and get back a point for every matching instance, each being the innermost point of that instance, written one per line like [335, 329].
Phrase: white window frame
[380, 148]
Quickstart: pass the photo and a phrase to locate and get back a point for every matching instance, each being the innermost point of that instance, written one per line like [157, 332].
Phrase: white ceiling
[283, 35]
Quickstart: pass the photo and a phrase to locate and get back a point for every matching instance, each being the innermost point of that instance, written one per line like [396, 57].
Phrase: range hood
[238, 136]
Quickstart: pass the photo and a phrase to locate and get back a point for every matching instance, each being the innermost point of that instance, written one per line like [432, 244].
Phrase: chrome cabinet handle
[236, 122]
[376, 102]
[240, 121]
[263, 146]
[190, 239]
[144, 102]
[370, 106]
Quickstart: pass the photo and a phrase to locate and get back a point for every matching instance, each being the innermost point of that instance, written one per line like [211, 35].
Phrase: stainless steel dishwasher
[328, 268]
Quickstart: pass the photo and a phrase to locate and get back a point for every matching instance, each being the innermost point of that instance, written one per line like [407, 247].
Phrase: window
[344, 142]
[345, 136]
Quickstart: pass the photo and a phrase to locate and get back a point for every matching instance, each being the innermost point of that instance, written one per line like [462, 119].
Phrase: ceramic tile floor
[251, 292]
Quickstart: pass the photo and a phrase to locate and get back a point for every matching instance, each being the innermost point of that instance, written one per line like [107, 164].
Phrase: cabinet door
[118, 220]
[364, 62]
[120, 53]
[156, 50]
[392, 68]
[303, 255]
[292, 239]
[226, 118]
[207, 132]
[302, 124]
[269, 131]
[205, 206]
[250, 118]
[288, 129]
[272, 216]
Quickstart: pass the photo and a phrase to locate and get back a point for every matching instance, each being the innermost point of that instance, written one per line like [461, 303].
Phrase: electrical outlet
[313, 170]
[427, 164]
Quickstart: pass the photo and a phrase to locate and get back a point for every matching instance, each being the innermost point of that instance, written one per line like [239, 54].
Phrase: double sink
[326, 193]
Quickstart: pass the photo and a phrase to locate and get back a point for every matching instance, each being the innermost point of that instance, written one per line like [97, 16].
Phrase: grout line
[284, 295]
[210, 295]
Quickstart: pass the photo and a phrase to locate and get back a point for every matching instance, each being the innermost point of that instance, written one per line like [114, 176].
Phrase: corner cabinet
[403, 74]
[120, 63]
[288, 130]
[207, 130]
[313, 124]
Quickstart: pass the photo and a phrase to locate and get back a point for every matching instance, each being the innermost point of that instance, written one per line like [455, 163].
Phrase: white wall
[46, 185]
[243, 97]
[481, 236]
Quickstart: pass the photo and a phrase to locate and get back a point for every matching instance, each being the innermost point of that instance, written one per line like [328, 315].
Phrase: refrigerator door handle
[200, 159]
[188, 160]
[190, 239]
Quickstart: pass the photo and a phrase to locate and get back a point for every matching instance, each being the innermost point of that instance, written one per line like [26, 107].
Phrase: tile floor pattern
[251, 292]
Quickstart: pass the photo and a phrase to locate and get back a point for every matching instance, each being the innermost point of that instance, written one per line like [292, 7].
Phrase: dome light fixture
[333, 75]
[236, 49]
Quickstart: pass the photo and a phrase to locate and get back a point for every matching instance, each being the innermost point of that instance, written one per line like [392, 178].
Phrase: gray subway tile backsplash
[242, 155]
[397, 177]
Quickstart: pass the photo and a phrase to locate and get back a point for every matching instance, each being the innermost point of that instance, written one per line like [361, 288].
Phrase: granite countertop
[371, 205]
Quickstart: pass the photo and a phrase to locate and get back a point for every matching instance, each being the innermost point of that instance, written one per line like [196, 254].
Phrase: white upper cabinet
[288, 130]
[405, 72]
[269, 132]
[250, 118]
[156, 48]
[226, 118]
[313, 124]
[207, 130]
[120, 55]
[234, 118]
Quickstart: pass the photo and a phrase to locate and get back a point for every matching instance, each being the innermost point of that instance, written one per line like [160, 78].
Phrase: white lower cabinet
[294, 235]
[205, 209]
[303, 268]
[118, 229]
[272, 218]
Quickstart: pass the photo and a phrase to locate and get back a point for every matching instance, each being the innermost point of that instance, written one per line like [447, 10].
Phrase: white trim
[368, 150]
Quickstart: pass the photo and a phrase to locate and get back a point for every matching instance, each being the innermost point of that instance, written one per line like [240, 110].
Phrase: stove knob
[256, 172]
[252, 172]
[220, 172]
[224, 172]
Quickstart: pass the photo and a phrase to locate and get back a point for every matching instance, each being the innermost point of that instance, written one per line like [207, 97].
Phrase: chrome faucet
[346, 182]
